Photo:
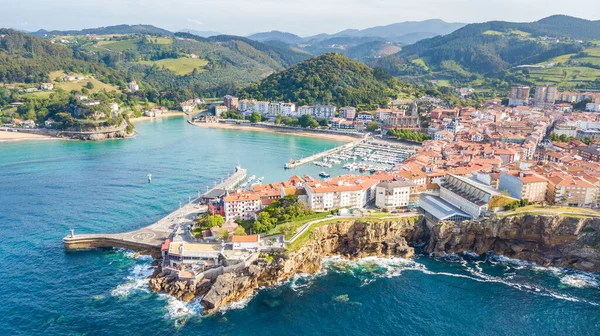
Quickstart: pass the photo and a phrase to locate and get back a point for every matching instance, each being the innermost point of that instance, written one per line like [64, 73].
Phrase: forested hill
[494, 46]
[28, 59]
[330, 78]
[118, 29]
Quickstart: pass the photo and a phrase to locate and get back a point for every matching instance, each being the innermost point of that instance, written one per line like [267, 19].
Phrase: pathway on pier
[152, 236]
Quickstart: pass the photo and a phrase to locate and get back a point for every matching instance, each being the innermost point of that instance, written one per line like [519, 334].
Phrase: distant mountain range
[119, 29]
[495, 46]
[402, 32]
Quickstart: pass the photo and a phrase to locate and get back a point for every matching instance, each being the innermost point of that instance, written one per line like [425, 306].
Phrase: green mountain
[491, 47]
[28, 59]
[275, 35]
[329, 79]
[110, 30]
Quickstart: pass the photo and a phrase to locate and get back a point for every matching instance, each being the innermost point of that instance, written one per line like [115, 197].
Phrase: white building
[306, 109]
[366, 117]
[133, 86]
[249, 242]
[241, 205]
[396, 194]
[340, 192]
[323, 112]
[261, 107]
[592, 107]
[348, 113]
[288, 109]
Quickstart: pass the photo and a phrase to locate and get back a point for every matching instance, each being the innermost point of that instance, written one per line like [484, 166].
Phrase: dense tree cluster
[404, 134]
[327, 79]
[280, 211]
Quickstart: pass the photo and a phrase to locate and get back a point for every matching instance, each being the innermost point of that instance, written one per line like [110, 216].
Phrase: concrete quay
[150, 238]
[318, 156]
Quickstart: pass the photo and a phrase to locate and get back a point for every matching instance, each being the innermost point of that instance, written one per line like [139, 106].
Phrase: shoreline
[162, 116]
[340, 137]
[6, 136]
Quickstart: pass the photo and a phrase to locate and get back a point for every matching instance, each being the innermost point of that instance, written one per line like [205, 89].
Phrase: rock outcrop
[546, 240]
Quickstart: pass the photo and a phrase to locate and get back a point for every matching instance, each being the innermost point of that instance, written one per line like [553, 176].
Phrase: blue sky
[303, 17]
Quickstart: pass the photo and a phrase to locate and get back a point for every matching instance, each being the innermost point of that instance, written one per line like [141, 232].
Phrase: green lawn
[181, 66]
[77, 85]
[520, 33]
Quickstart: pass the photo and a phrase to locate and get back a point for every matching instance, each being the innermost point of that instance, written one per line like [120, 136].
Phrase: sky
[302, 17]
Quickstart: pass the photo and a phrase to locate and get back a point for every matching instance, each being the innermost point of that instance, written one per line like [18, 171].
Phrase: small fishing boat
[324, 174]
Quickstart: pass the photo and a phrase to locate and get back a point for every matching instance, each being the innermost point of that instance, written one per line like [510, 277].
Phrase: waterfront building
[524, 185]
[219, 109]
[306, 109]
[250, 242]
[242, 205]
[180, 255]
[395, 194]
[468, 195]
[365, 117]
[320, 112]
[565, 189]
[261, 107]
[246, 105]
[340, 192]
[231, 102]
[348, 113]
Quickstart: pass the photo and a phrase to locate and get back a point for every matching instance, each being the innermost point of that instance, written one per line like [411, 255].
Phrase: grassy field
[77, 85]
[520, 33]
[128, 44]
[421, 62]
[574, 75]
[492, 32]
[181, 66]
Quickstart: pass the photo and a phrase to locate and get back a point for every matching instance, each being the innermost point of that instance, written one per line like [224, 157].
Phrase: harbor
[368, 155]
[297, 163]
[150, 238]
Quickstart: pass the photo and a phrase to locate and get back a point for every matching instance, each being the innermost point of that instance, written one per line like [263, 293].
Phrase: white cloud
[198, 22]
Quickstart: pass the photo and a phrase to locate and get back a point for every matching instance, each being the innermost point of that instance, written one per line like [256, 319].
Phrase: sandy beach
[166, 115]
[337, 137]
[18, 136]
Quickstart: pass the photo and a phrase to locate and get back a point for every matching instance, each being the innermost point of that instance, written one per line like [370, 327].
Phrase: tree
[222, 234]
[313, 124]
[306, 120]
[372, 126]
[263, 223]
[278, 119]
[206, 221]
[239, 231]
[89, 86]
[255, 117]
[323, 122]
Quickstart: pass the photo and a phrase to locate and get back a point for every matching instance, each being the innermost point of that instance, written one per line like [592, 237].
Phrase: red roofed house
[245, 242]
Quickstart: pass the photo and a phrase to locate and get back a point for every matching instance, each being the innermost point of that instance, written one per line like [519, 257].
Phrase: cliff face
[549, 241]
[352, 239]
[545, 240]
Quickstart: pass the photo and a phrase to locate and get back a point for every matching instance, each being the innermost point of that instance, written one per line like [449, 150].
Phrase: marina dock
[150, 238]
[318, 156]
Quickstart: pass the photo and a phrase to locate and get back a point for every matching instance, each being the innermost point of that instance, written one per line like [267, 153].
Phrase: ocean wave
[369, 269]
[136, 281]
[580, 280]
[177, 309]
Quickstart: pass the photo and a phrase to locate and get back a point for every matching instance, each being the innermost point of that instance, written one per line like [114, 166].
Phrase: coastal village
[477, 163]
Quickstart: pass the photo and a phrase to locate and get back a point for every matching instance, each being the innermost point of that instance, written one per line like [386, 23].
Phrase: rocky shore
[546, 240]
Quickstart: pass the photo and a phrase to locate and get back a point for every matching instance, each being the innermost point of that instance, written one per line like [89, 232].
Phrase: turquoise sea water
[47, 187]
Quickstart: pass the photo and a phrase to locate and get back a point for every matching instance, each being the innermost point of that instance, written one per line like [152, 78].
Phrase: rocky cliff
[352, 239]
[546, 240]
[556, 241]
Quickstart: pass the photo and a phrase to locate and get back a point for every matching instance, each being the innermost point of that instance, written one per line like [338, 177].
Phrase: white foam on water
[136, 281]
[238, 304]
[177, 309]
[392, 267]
[579, 280]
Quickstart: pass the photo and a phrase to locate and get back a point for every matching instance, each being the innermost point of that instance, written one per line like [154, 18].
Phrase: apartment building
[231, 102]
[395, 194]
[524, 185]
[242, 205]
[564, 189]
[340, 192]
[320, 112]
[348, 113]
